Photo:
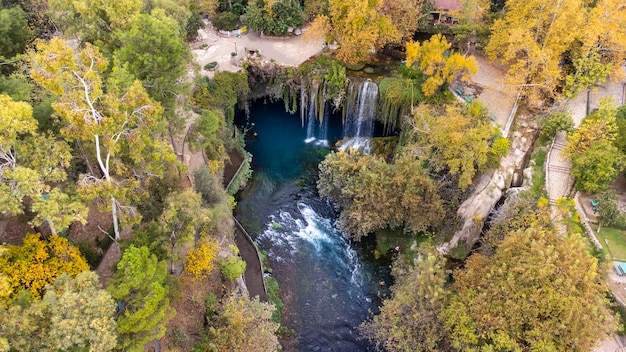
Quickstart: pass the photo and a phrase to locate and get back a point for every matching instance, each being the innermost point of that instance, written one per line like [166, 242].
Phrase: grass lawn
[616, 242]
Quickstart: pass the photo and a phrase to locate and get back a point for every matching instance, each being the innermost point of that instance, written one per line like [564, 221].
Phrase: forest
[112, 238]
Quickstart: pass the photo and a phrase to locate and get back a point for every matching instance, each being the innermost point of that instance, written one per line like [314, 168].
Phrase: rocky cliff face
[491, 186]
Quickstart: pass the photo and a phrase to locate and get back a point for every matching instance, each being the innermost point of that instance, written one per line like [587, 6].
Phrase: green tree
[273, 17]
[203, 132]
[243, 325]
[232, 267]
[14, 32]
[182, 215]
[594, 128]
[95, 22]
[409, 319]
[74, 314]
[374, 194]
[153, 50]
[221, 93]
[226, 21]
[440, 68]
[554, 123]
[120, 127]
[609, 213]
[29, 163]
[140, 284]
[596, 161]
[208, 185]
[539, 292]
[620, 139]
[596, 168]
[15, 85]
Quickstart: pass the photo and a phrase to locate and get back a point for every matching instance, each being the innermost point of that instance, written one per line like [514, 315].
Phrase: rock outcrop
[491, 186]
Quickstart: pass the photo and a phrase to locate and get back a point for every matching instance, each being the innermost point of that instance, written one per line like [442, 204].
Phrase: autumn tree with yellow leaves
[360, 27]
[601, 50]
[440, 67]
[538, 39]
[36, 263]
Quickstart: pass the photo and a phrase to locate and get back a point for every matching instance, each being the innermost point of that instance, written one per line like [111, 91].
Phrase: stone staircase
[558, 168]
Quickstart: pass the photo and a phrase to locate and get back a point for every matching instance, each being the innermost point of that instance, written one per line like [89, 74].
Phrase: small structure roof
[447, 5]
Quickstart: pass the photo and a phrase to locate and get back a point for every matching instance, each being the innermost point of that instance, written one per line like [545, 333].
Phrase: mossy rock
[369, 70]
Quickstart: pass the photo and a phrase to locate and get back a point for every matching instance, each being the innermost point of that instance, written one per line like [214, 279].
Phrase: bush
[200, 259]
[500, 147]
[232, 267]
[225, 21]
[560, 121]
[208, 185]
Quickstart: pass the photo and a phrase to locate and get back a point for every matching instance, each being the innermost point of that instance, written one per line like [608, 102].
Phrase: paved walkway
[498, 97]
[253, 276]
[610, 89]
[558, 167]
[210, 46]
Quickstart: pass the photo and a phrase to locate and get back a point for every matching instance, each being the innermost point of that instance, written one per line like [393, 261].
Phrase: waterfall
[316, 128]
[323, 131]
[359, 114]
[359, 110]
[310, 118]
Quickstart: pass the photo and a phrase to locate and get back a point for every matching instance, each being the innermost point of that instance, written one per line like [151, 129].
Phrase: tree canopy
[433, 61]
[374, 194]
[456, 139]
[140, 283]
[410, 319]
[74, 314]
[532, 36]
[119, 122]
[37, 263]
[360, 27]
[539, 291]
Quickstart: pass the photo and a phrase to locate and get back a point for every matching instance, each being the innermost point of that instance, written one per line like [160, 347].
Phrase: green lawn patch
[539, 174]
[615, 241]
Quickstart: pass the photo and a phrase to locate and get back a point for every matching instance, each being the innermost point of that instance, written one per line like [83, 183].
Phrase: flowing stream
[328, 284]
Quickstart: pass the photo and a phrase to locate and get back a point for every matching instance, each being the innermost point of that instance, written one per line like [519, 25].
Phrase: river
[328, 284]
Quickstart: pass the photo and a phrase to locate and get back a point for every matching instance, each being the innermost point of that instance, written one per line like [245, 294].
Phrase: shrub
[225, 21]
[232, 267]
[200, 260]
[500, 147]
[560, 121]
[208, 185]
